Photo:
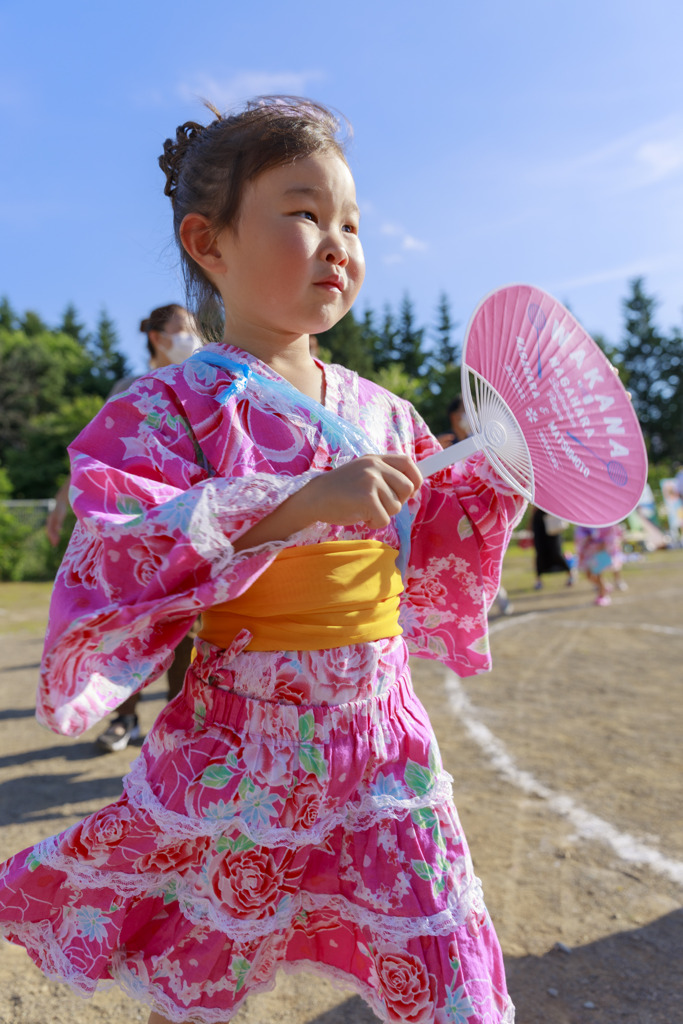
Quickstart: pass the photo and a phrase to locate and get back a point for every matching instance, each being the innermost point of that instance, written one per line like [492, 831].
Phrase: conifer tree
[8, 318]
[70, 325]
[447, 350]
[109, 363]
[651, 365]
[385, 340]
[408, 341]
[345, 343]
[32, 324]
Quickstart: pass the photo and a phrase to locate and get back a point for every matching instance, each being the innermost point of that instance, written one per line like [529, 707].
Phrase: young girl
[599, 550]
[289, 808]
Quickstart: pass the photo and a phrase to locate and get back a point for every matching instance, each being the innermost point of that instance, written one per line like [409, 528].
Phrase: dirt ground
[567, 761]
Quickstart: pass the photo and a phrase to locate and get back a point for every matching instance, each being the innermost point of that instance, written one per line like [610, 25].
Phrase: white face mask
[183, 344]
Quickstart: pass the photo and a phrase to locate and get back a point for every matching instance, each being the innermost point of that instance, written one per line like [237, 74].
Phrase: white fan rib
[511, 458]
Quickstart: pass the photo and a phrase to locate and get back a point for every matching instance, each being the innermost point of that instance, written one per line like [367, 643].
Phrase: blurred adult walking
[547, 531]
[171, 338]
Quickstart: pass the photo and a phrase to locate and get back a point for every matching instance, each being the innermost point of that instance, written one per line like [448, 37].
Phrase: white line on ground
[647, 627]
[520, 620]
[587, 825]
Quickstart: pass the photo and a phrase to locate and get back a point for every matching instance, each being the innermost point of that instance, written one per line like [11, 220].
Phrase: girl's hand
[370, 489]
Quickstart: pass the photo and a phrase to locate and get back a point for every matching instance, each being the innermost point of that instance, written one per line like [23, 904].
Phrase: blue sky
[494, 142]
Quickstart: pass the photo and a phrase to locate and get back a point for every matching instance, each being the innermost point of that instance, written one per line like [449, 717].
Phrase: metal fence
[30, 513]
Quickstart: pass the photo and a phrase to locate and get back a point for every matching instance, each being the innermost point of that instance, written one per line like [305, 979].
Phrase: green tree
[8, 318]
[408, 341]
[384, 353]
[12, 532]
[447, 349]
[108, 362]
[32, 323]
[429, 380]
[49, 388]
[395, 379]
[36, 374]
[71, 325]
[443, 375]
[372, 342]
[41, 464]
[671, 421]
[345, 343]
[650, 364]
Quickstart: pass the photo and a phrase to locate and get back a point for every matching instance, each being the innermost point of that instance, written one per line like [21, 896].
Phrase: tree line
[52, 382]
[53, 379]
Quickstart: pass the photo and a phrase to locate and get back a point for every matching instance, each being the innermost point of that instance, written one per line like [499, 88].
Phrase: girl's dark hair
[208, 167]
[157, 320]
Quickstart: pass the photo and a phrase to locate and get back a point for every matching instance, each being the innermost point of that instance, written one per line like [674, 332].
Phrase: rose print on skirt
[271, 835]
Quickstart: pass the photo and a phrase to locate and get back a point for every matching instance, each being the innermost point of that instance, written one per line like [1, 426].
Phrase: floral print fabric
[288, 809]
[599, 548]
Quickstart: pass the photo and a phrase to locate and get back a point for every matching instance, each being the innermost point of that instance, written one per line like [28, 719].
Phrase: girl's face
[293, 264]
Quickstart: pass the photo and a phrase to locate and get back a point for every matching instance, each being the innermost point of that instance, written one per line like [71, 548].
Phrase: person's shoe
[119, 733]
[603, 601]
[504, 605]
[538, 585]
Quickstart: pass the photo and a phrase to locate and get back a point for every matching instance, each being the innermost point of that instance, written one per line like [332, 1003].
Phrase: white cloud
[637, 268]
[661, 159]
[647, 155]
[406, 241]
[226, 93]
[409, 242]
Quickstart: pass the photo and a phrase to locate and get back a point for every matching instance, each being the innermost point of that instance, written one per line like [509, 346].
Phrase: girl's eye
[306, 214]
[352, 229]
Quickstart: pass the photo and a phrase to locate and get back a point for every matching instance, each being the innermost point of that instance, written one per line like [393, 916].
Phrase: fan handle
[493, 436]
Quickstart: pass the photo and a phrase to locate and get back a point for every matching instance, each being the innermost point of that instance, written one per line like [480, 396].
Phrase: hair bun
[171, 159]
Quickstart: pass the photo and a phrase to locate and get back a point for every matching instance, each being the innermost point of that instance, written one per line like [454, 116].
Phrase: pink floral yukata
[287, 809]
[599, 549]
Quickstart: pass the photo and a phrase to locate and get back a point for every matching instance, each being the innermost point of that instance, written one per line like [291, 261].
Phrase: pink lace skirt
[259, 829]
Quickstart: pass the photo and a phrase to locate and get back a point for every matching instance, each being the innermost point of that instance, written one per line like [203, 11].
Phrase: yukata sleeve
[462, 523]
[152, 547]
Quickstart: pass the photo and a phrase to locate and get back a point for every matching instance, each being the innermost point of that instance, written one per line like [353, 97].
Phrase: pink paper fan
[548, 410]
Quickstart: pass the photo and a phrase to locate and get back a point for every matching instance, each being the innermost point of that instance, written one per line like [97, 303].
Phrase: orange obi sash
[314, 597]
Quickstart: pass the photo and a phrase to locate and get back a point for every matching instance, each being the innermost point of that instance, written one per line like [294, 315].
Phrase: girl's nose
[336, 253]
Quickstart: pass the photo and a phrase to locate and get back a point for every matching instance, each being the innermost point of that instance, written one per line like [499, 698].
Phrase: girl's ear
[200, 242]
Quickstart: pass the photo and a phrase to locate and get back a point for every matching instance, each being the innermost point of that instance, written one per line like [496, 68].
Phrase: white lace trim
[359, 818]
[338, 979]
[386, 927]
[200, 909]
[54, 963]
[56, 967]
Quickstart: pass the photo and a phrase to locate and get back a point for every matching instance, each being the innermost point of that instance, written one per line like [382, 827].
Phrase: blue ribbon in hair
[345, 436]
